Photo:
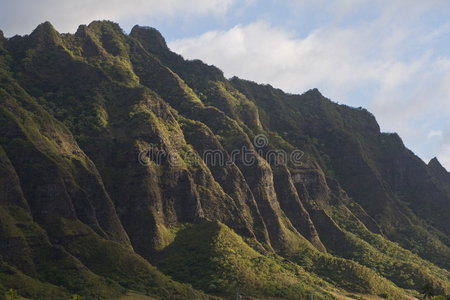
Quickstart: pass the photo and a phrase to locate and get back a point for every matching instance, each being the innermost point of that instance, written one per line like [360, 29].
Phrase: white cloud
[271, 55]
[339, 8]
[22, 16]
[391, 55]
[336, 59]
[434, 133]
[383, 58]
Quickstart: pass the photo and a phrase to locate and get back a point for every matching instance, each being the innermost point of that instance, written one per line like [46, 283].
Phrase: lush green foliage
[222, 263]
[80, 214]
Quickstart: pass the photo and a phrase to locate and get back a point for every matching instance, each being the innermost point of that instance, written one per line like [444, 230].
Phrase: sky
[391, 57]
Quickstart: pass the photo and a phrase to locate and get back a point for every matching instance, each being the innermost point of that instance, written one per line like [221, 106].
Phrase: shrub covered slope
[118, 172]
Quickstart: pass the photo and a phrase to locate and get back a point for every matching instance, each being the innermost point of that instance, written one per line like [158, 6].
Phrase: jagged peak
[436, 164]
[90, 44]
[2, 39]
[45, 33]
[103, 37]
[105, 25]
[85, 32]
[44, 28]
[82, 31]
[150, 37]
[434, 161]
[314, 92]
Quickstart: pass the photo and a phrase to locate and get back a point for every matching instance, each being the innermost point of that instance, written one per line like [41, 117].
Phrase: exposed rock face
[114, 150]
[292, 205]
[374, 169]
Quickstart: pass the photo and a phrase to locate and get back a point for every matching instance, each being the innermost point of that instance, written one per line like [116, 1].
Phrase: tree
[427, 291]
[12, 294]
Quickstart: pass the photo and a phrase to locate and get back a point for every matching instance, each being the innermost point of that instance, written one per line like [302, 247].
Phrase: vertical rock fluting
[113, 145]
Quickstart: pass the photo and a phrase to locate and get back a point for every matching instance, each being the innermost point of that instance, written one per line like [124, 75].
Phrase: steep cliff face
[117, 153]
[398, 192]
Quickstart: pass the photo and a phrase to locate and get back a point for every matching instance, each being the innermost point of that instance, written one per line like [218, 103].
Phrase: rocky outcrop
[114, 150]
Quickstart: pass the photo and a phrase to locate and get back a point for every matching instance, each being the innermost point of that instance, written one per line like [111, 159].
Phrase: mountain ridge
[357, 212]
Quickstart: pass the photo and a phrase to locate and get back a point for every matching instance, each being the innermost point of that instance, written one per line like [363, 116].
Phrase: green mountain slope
[125, 167]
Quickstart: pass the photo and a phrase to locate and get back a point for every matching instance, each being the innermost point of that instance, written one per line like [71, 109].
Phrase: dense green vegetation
[105, 191]
[223, 264]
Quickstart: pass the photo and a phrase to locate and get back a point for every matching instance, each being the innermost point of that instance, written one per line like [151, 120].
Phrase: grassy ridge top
[102, 148]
